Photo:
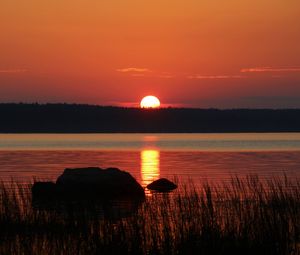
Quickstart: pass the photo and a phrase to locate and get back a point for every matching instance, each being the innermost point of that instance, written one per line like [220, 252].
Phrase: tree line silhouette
[75, 118]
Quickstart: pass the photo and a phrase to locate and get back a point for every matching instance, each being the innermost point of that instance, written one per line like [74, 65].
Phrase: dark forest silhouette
[74, 118]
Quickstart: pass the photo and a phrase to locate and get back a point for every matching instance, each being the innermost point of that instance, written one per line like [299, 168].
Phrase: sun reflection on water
[149, 166]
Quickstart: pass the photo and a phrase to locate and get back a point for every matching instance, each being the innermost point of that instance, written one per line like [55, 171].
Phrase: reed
[244, 216]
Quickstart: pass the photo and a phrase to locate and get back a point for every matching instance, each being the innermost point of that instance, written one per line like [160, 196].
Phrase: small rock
[162, 185]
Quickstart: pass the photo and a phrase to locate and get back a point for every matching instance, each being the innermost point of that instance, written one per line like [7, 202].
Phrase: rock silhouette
[110, 192]
[162, 185]
[89, 183]
[97, 182]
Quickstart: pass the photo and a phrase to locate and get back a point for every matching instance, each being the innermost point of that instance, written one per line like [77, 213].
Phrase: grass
[245, 216]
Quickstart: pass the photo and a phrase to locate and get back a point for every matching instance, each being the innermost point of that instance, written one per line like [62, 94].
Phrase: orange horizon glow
[220, 54]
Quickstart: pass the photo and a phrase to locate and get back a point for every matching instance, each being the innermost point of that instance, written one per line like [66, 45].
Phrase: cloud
[142, 72]
[138, 74]
[162, 76]
[270, 69]
[165, 76]
[13, 70]
[212, 77]
[123, 103]
[278, 73]
[133, 70]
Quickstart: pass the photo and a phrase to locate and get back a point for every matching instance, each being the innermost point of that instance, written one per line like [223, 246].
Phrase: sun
[150, 102]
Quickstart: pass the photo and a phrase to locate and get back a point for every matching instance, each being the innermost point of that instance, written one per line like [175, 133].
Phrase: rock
[110, 193]
[162, 185]
[94, 182]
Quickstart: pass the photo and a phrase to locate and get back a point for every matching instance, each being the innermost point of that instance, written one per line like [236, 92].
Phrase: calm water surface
[213, 157]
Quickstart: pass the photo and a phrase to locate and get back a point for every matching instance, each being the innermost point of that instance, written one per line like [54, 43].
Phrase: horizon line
[145, 109]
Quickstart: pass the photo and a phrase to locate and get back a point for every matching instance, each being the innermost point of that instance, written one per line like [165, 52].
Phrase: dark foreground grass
[247, 216]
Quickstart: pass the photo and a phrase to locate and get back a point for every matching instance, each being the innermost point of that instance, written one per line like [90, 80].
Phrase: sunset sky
[192, 53]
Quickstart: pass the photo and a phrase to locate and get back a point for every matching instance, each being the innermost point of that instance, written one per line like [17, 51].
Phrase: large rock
[162, 185]
[96, 182]
[110, 192]
[89, 184]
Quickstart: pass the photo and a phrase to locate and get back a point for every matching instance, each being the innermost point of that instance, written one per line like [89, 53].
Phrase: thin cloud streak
[136, 104]
[138, 74]
[165, 75]
[212, 77]
[270, 69]
[123, 104]
[133, 69]
[13, 70]
[145, 72]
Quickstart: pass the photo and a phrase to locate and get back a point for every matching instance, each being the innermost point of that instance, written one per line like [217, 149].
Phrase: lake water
[196, 157]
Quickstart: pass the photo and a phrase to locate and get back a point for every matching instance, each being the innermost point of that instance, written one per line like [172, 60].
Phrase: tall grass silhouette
[244, 216]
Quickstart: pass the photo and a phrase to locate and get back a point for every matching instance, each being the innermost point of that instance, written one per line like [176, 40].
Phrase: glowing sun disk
[150, 102]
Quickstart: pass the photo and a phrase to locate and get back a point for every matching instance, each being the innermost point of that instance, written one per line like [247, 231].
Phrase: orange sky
[192, 53]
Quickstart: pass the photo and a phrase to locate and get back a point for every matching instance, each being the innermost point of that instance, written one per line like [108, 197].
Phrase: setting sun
[150, 102]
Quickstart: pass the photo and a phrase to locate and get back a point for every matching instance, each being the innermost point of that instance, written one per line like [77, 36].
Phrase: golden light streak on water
[149, 166]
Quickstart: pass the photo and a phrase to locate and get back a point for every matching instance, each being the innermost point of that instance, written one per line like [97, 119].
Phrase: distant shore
[75, 118]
